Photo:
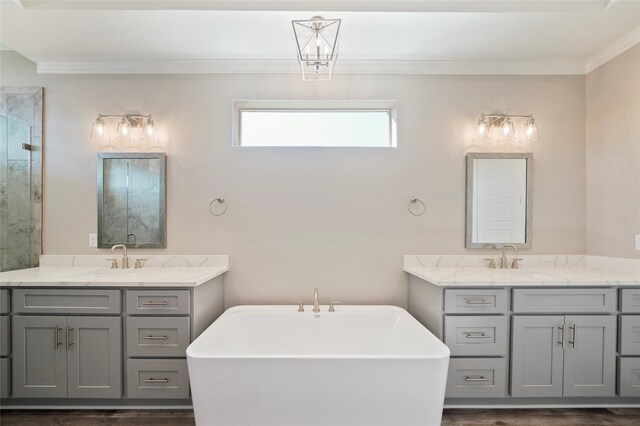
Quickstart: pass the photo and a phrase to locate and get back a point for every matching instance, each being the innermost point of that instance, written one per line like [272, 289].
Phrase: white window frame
[313, 105]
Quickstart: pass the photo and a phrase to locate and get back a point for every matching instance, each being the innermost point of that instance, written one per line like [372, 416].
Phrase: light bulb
[99, 130]
[506, 126]
[483, 126]
[124, 127]
[149, 127]
[532, 129]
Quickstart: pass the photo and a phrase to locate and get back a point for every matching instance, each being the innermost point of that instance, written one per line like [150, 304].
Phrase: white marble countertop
[544, 271]
[104, 277]
[452, 276]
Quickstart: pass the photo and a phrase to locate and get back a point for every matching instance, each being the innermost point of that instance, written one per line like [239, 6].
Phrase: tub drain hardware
[218, 207]
[416, 206]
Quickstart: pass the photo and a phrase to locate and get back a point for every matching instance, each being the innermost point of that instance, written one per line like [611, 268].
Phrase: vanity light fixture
[126, 127]
[506, 124]
[316, 41]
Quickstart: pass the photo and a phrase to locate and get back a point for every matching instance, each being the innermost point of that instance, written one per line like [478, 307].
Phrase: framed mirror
[498, 200]
[132, 200]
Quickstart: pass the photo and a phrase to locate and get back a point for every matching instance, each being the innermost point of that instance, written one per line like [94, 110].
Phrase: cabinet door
[536, 365]
[39, 357]
[95, 357]
[590, 355]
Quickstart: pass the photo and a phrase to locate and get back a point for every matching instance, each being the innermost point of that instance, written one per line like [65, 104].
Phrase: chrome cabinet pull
[152, 380]
[478, 302]
[56, 337]
[476, 379]
[574, 329]
[155, 337]
[561, 342]
[68, 333]
[160, 303]
[477, 335]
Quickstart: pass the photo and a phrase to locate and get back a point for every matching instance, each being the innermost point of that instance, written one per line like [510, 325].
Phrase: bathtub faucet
[316, 305]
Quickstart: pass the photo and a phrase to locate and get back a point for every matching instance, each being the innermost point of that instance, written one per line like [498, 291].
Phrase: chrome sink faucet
[316, 305]
[125, 258]
[504, 264]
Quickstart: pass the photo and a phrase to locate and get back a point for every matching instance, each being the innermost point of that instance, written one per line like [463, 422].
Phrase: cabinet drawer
[476, 335]
[630, 334]
[629, 376]
[492, 301]
[163, 302]
[157, 336]
[4, 301]
[630, 300]
[157, 378]
[5, 377]
[476, 378]
[67, 301]
[564, 301]
[5, 336]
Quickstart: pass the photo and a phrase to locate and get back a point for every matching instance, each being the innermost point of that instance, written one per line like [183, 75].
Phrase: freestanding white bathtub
[359, 365]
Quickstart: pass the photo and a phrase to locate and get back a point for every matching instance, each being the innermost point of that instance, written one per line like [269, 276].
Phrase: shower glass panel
[20, 177]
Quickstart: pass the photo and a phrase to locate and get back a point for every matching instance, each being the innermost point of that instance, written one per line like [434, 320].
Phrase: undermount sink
[113, 271]
[514, 273]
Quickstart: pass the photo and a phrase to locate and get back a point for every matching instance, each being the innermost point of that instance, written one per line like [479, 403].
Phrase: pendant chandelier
[317, 40]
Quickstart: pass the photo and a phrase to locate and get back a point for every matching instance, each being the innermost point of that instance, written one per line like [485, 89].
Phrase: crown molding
[492, 6]
[292, 67]
[614, 49]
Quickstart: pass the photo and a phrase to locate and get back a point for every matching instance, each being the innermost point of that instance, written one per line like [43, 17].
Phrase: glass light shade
[507, 127]
[484, 128]
[531, 130]
[124, 129]
[99, 131]
[149, 131]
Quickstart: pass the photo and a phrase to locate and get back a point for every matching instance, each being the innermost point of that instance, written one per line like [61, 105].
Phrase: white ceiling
[415, 36]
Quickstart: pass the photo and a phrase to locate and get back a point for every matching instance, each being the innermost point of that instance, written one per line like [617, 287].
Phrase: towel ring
[413, 202]
[219, 201]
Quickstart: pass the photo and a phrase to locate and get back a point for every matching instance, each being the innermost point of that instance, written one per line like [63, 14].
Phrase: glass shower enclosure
[21, 137]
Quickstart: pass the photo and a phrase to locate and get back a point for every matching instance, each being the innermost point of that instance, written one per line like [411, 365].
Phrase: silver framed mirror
[499, 200]
[132, 200]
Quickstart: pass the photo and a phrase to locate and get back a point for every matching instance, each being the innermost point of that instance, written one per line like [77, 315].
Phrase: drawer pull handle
[561, 333]
[160, 303]
[152, 380]
[477, 335]
[478, 302]
[476, 379]
[155, 337]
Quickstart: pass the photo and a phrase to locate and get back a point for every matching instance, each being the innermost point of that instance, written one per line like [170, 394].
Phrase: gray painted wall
[302, 218]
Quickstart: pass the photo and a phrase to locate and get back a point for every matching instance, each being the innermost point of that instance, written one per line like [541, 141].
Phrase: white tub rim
[350, 309]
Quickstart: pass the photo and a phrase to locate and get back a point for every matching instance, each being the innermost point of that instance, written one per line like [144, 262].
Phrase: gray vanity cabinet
[94, 357]
[537, 356]
[60, 356]
[39, 357]
[555, 355]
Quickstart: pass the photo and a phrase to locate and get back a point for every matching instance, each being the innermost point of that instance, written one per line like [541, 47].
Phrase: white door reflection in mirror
[500, 199]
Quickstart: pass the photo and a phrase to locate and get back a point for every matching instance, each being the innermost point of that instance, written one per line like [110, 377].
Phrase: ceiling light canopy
[317, 41]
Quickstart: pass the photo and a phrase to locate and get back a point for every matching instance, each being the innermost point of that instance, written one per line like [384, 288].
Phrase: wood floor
[453, 417]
